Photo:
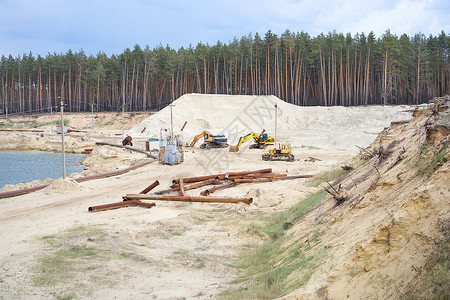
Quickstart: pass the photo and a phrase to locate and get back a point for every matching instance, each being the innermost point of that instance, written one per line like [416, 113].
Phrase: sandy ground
[171, 251]
[189, 247]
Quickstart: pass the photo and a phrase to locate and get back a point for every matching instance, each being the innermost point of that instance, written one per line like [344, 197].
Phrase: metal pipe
[187, 198]
[252, 176]
[176, 186]
[215, 188]
[22, 191]
[293, 177]
[266, 175]
[270, 179]
[63, 149]
[185, 122]
[221, 176]
[145, 204]
[269, 170]
[119, 205]
[150, 187]
[129, 148]
[113, 173]
[196, 179]
[252, 180]
[182, 187]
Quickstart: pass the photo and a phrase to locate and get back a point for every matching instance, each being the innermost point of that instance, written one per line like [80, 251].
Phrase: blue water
[26, 166]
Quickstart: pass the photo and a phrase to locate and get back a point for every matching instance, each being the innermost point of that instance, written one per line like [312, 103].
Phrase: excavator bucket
[233, 149]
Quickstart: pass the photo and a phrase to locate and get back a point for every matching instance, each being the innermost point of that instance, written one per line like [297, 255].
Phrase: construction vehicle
[282, 152]
[210, 141]
[261, 141]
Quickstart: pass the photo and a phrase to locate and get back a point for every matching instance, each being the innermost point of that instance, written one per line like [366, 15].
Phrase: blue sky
[49, 26]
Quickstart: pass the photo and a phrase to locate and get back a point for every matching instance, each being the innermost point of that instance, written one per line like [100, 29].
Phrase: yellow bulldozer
[282, 152]
[261, 141]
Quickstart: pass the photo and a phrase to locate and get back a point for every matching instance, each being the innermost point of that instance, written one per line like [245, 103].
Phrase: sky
[111, 26]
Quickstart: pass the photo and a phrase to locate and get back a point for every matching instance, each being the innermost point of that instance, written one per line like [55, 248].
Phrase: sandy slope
[174, 250]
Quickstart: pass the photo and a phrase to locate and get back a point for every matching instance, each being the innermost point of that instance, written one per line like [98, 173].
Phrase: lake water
[26, 166]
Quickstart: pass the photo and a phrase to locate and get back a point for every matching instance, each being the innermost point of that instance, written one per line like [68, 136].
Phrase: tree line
[329, 69]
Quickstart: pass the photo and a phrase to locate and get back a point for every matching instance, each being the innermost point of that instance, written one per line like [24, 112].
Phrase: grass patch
[426, 166]
[108, 123]
[69, 296]
[333, 174]
[309, 147]
[20, 124]
[265, 270]
[66, 122]
[70, 256]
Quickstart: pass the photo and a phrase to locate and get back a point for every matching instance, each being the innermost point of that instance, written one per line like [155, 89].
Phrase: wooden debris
[347, 168]
[312, 159]
[340, 195]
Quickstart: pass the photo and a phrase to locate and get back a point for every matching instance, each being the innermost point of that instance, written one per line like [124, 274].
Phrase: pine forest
[329, 69]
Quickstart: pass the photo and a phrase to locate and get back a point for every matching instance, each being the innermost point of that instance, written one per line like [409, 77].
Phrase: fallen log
[187, 198]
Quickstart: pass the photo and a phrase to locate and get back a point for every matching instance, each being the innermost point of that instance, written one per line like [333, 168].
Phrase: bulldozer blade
[233, 149]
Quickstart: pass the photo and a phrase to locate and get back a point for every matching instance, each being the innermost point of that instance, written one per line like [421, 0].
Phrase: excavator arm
[199, 136]
[242, 140]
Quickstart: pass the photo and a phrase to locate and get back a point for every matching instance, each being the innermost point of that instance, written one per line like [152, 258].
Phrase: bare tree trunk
[418, 77]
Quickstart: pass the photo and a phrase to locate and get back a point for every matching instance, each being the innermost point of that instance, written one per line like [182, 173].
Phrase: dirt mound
[108, 158]
[379, 239]
[235, 116]
[64, 185]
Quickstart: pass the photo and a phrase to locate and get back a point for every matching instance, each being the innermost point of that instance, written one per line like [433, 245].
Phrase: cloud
[111, 26]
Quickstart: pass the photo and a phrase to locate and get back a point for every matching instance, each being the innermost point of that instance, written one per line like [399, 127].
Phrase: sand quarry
[52, 247]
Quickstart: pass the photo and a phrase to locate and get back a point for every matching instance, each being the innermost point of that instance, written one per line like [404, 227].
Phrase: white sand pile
[324, 127]
[62, 185]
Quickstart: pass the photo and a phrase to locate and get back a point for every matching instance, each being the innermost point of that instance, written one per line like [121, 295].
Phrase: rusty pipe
[129, 148]
[270, 179]
[293, 177]
[176, 186]
[119, 205]
[113, 173]
[187, 198]
[250, 180]
[264, 175]
[215, 188]
[221, 176]
[150, 187]
[196, 179]
[185, 122]
[269, 170]
[253, 176]
[182, 192]
[145, 204]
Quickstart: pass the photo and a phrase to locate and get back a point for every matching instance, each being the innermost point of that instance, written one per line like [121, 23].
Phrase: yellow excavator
[210, 141]
[282, 152]
[261, 141]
